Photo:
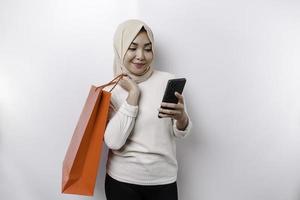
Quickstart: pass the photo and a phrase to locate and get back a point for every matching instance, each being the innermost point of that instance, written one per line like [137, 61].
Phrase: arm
[182, 133]
[121, 121]
[120, 125]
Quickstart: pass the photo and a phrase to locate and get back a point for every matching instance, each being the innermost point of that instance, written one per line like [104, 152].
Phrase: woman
[142, 161]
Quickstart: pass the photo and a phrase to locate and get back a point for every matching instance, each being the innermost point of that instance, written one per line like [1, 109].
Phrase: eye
[148, 50]
[132, 49]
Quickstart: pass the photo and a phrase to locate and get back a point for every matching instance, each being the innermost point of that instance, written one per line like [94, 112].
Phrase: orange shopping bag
[81, 162]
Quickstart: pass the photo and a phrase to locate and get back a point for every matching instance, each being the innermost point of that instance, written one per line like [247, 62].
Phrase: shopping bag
[81, 162]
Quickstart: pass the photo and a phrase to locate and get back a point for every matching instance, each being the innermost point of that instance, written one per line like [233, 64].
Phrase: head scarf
[124, 35]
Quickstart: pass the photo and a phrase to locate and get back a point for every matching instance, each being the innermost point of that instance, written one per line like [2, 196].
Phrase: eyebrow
[133, 43]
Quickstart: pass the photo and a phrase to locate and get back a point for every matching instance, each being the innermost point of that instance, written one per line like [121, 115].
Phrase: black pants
[116, 190]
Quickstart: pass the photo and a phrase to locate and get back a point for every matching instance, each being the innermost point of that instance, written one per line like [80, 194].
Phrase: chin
[138, 72]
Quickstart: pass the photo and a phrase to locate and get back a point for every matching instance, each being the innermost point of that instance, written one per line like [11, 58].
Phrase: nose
[140, 54]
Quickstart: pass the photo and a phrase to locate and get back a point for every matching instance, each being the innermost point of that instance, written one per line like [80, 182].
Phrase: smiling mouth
[139, 65]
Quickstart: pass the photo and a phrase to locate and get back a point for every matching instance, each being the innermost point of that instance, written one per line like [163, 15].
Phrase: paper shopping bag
[81, 162]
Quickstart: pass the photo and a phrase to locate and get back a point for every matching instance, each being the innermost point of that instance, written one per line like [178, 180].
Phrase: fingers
[128, 84]
[126, 76]
[175, 106]
[126, 79]
[179, 105]
[180, 97]
[172, 110]
[169, 112]
[164, 115]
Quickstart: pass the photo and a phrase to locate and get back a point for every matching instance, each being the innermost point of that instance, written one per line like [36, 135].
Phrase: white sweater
[142, 146]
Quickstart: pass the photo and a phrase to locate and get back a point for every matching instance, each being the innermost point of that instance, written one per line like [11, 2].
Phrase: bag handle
[118, 78]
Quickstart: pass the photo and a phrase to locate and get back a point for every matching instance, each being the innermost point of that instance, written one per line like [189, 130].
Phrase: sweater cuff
[182, 133]
[128, 109]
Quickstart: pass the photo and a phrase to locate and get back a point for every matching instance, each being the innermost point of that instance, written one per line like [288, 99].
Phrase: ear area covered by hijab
[124, 35]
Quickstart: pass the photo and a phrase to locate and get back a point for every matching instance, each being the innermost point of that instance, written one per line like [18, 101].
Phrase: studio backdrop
[241, 61]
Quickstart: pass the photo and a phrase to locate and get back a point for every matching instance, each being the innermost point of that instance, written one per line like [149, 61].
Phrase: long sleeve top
[142, 146]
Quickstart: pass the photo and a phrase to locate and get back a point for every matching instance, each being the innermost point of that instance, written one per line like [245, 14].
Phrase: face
[139, 55]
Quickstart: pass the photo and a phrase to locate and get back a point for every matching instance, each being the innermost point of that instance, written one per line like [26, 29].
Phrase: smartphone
[172, 86]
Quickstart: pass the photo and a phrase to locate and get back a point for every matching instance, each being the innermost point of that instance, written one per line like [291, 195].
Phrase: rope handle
[119, 77]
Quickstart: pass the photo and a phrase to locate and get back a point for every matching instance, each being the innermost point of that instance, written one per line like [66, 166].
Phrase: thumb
[180, 97]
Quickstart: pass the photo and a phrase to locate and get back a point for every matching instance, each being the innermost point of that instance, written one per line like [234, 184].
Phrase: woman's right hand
[133, 89]
[128, 84]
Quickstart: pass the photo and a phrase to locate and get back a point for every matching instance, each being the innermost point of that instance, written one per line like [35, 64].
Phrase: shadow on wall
[1, 126]
[25, 175]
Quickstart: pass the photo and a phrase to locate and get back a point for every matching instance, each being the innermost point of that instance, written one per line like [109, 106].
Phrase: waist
[142, 170]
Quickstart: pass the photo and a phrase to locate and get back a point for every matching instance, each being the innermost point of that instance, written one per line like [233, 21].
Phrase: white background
[241, 60]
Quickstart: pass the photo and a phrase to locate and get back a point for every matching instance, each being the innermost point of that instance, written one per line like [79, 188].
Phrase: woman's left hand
[175, 111]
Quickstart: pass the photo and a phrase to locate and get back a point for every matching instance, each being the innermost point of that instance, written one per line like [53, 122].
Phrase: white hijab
[124, 35]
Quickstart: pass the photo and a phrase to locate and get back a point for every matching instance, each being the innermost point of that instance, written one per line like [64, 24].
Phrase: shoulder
[162, 74]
